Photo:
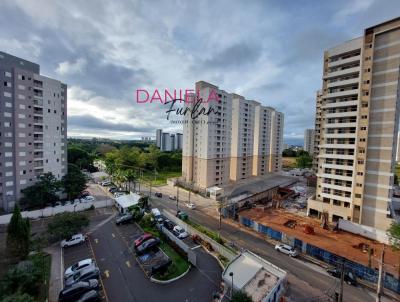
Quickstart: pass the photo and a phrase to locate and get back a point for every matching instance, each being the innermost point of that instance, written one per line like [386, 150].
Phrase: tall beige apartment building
[309, 141]
[244, 139]
[358, 128]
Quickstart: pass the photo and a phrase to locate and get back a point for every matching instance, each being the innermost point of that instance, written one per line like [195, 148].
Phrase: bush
[64, 225]
[18, 297]
[241, 296]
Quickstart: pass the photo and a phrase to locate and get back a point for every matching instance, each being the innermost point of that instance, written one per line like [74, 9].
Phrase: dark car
[125, 218]
[349, 277]
[161, 267]
[112, 189]
[147, 245]
[91, 272]
[158, 194]
[90, 296]
[84, 194]
[143, 238]
[168, 224]
[75, 291]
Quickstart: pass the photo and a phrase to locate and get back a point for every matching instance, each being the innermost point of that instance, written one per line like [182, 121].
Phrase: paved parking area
[76, 253]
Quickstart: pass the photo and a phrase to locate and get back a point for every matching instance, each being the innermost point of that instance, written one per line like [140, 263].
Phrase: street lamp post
[231, 274]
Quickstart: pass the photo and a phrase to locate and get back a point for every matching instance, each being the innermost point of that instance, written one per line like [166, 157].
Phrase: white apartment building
[309, 141]
[245, 139]
[358, 128]
[33, 127]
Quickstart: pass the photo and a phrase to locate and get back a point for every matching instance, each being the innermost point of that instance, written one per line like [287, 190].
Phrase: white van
[157, 214]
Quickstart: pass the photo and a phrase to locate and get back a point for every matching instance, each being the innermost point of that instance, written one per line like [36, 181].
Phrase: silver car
[287, 249]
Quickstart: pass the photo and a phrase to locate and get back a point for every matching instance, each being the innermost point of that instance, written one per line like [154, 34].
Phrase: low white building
[260, 279]
[124, 202]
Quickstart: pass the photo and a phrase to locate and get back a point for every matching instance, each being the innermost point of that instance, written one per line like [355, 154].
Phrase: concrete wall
[364, 230]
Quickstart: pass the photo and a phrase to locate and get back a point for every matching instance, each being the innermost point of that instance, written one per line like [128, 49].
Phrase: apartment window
[360, 162]
[357, 195]
[21, 87]
[21, 97]
[22, 153]
[364, 117]
[21, 115]
[22, 106]
[22, 163]
[21, 135]
[7, 124]
[7, 94]
[7, 114]
[360, 173]
[8, 134]
[22, 182]
[359, 185]
[8, 105]
[7, 144]
[7, 74]
[9, 164]
[22, 144]
[21, 77]
[21, 125]
[363, 128]
[9, 183]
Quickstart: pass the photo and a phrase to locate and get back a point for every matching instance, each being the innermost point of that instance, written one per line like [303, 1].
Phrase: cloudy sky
[270, 51]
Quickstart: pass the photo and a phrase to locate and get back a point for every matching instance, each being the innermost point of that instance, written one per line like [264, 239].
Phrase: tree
[241, 296]
[18, 235]
[42, 192]
[304, 161]
[18, 297]
[23, 277]
[394, 235]
[80, 158]
[64, 225]
[289, 153]
[74, 182]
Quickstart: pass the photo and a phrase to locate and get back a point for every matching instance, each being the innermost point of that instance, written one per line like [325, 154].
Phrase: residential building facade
[168, 141]
[309, 136]
[243, 139]
[358, 134]
[33, 127]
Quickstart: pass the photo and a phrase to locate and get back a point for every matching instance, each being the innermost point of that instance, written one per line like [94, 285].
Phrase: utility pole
[380, 276]
[341, 282]
[177, 199]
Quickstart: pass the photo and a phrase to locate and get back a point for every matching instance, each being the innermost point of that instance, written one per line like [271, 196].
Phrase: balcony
[341, 125]
[340, 135]
[338, 146]
[343, 82]
[340, 104]
[336, 156]
[38, 103]
[344, 61]
[337, 187]
[342, 72]
[335, 166]
[334, 176]
[341, 114]
[341, 93]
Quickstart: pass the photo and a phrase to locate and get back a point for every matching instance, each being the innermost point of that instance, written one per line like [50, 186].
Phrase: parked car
[349, 277]
[125, 218]
[74, 240]
[105, 183]
[75, 291]
[287, 249]
[182, 215]
[84, 194]
[90, 296]
[157, 215]
[191, 206]
[77, 267]
[158, 194]
[112, 190]
[147, 245]
[58, 204]
[168, 224]
[143, 238]
[161, 267]
[180, 232]
[88, 273]
[172, 197]
[87, 198]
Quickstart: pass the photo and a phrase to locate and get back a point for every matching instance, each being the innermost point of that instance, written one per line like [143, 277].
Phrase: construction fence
[361, 271]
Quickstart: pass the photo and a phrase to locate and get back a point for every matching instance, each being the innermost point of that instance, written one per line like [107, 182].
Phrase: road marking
[128, 264]
[101, 280]
[112, 234]
[107, 273]
[195, 247]
[96, 240]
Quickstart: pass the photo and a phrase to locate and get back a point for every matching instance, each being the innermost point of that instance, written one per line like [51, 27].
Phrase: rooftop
[341, 243]
[126, 201]
[253, 274]
[254, 185]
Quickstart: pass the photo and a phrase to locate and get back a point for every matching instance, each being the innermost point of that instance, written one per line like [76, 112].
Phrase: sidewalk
[56, 271]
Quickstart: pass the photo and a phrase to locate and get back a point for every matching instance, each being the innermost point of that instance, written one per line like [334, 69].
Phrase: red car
[143, 238]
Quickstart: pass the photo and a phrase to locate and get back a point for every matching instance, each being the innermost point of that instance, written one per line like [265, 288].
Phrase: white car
[180, 232]
[106, 183]
[287, 249]
[58, 204]
[87, 198]
[77, 267]
[74, 240]
[191, 206]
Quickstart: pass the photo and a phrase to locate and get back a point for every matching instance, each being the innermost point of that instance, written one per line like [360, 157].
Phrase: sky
[269, 51]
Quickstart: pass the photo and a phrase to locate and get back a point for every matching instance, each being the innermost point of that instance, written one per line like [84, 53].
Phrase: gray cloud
[87, 121]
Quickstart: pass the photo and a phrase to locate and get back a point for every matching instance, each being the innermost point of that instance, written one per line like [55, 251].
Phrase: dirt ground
[289, 162]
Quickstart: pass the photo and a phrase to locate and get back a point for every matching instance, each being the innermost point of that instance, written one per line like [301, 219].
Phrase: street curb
[154, 280]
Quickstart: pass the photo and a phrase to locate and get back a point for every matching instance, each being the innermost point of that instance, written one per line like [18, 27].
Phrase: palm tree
[130, 177]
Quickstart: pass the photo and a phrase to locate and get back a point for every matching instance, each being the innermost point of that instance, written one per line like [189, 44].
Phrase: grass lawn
[289, 162]
[162, 177]
[179, 264]
[213, 235]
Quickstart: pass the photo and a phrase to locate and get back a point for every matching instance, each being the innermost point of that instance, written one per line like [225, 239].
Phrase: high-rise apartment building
[33, 127]
[244, 139]
[158, 137]
[317, 131]
[358, 128]
[308, 145]
[168, 141]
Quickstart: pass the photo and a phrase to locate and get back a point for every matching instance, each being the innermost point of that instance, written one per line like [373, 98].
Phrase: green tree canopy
[64, 225]
[18, 297]
[80, 158]
[394, 235]
[304, 161]
[74, 182]
[241, 296]
[18, 235]
[42, 192]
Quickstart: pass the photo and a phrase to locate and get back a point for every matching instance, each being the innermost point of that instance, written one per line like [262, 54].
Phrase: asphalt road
[307, 275]
[124, 280]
